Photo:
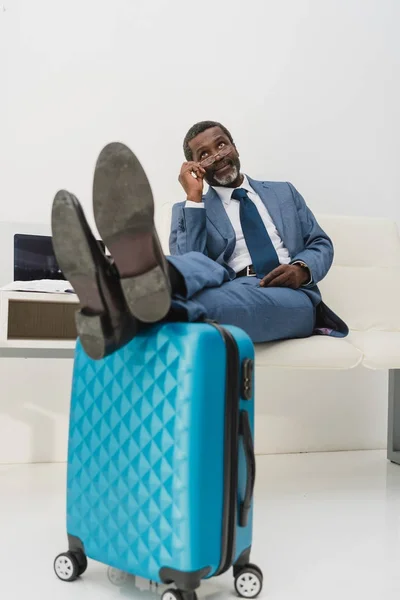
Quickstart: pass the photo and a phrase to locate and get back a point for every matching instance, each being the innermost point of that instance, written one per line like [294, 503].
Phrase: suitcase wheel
[70, 565]
[117, 577]
[249, 582]
[172, 594]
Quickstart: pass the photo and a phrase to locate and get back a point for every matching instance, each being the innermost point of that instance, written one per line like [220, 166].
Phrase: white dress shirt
[241, 258]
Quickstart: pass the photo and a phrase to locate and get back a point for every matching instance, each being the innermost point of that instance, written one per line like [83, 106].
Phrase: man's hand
[193, 186]
[291, 276]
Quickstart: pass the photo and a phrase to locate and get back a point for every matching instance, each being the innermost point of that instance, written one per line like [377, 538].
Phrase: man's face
[226, 169]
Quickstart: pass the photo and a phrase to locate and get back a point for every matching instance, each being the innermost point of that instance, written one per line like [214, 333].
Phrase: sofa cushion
[381, 349]
[317, 352]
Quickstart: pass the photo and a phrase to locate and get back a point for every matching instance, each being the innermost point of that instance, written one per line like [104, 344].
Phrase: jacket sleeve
[318, 251]
[188, 230]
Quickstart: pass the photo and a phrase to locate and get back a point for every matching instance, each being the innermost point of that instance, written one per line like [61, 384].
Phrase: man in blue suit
[248, 253]
[257, 269]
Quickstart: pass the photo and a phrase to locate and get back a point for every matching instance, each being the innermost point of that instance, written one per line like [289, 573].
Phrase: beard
[214, 179]
[229, 178]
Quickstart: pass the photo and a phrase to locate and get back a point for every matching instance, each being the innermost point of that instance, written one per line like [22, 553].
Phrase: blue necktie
[262, 250]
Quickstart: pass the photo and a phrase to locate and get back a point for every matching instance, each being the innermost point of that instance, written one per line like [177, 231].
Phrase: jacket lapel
[216, 213]
[271, 201]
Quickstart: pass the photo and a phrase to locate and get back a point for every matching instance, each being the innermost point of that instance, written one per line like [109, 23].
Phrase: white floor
[327, 527]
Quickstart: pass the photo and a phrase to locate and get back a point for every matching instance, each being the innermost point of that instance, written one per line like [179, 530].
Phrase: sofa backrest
[363, 286]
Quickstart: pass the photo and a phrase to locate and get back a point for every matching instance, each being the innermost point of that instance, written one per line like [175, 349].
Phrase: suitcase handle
[245, 433]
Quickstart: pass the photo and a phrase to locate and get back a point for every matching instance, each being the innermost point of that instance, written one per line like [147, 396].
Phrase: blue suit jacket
[210, 231]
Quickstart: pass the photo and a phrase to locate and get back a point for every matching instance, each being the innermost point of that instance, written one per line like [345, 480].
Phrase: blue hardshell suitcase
[161, 462]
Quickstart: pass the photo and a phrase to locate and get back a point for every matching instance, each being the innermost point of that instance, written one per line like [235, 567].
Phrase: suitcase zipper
[231, 450]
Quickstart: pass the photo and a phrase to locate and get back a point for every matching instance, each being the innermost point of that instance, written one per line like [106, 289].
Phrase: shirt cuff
[301, 262]
[190, 204]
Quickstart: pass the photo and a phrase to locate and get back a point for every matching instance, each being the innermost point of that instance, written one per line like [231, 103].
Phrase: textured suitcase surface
[147, 458]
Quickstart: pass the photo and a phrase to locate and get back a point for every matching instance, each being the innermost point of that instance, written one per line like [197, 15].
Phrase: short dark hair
[196, 130]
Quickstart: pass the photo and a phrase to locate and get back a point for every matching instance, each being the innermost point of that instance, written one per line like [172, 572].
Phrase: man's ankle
[178, 285]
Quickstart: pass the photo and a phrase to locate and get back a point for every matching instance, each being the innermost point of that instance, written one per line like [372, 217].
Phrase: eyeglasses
[210, 160]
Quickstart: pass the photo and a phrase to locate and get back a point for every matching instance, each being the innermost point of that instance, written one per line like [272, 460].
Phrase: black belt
[247, 272]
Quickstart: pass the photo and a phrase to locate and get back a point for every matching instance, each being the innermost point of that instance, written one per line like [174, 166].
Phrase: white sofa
[363, 287]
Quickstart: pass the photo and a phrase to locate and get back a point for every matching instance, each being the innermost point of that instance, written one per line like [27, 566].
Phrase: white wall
[34, 409]
[309, 88]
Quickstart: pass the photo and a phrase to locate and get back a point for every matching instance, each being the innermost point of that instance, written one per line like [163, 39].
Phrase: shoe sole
[76, 261]
[124, 213]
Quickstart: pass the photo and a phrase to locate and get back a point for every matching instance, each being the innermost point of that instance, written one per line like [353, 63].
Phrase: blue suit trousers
[265, 314]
